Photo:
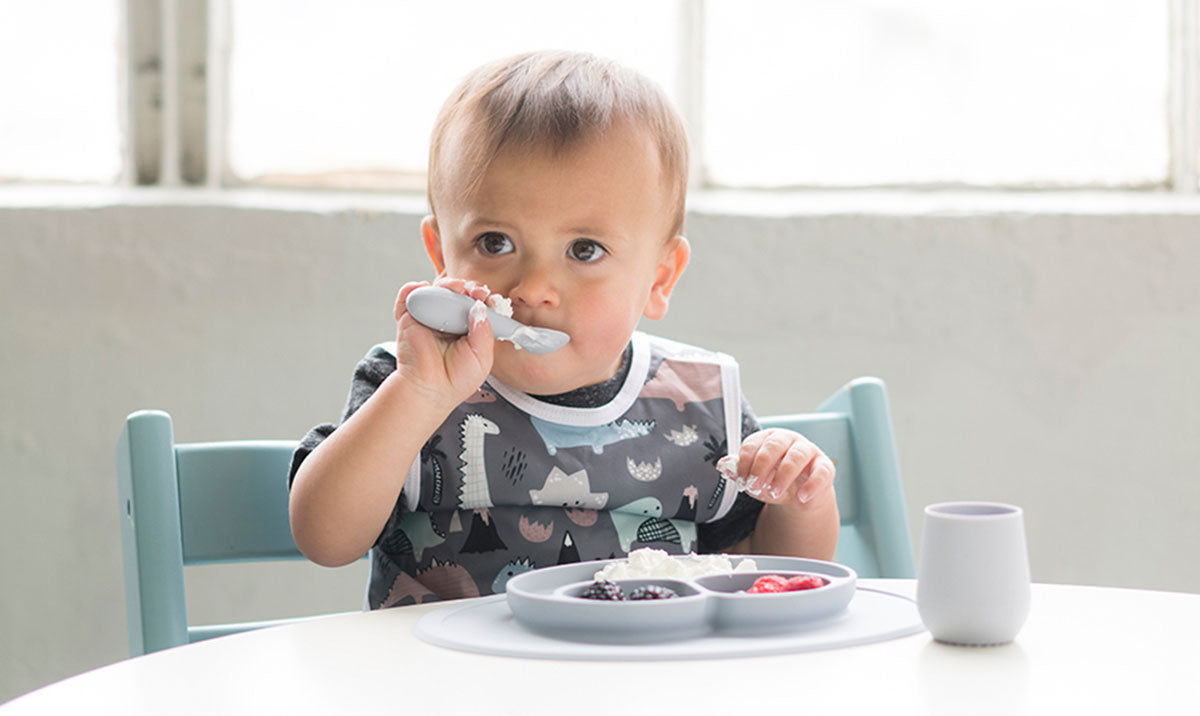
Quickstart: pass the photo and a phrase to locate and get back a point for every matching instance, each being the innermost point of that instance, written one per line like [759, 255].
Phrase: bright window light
[892, 92]
[345, 92]
[59, 91]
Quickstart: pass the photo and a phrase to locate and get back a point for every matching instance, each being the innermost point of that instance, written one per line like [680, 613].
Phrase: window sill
[765, 204]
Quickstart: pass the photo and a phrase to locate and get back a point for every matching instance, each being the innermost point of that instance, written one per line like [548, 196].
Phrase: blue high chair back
[854, 428]
[193, 503]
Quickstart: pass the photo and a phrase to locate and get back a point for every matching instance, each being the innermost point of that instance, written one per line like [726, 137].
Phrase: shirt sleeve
[368, 376]
[739, 523]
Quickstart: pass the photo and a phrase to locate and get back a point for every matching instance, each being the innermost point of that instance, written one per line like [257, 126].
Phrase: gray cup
[973, 577]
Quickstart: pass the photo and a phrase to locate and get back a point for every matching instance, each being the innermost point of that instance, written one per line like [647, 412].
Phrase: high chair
[194, 503]
[203, 503]
[854, 428]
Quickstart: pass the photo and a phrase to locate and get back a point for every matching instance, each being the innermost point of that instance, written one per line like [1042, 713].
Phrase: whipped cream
[526, 332]
[728, 467]
[500, 304]
[650, 562]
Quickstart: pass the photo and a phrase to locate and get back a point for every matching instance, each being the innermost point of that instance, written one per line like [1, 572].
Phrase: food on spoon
[652, 591]
[776, 583]
[500, 304]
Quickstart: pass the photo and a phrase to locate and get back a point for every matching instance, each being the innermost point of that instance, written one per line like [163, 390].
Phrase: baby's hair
[551, 100]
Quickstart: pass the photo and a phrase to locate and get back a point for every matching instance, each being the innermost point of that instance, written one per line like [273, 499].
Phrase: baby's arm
[795, 481]
[344, 492]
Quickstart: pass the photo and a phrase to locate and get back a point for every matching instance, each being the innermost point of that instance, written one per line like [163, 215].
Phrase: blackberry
[652, 591]
[603, 590]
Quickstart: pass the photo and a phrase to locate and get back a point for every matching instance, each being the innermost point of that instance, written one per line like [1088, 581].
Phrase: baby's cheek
[605, 335]
[604, 321]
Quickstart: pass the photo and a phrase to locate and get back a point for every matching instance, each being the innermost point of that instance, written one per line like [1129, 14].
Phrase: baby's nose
[535, 289]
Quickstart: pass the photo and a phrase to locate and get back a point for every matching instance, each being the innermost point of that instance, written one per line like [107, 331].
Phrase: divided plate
[545, 600]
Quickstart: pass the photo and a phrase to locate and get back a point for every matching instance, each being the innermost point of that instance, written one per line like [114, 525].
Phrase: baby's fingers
[474, 289]
[790, 466]
[767, 450]
[818, 477]
[469, 361]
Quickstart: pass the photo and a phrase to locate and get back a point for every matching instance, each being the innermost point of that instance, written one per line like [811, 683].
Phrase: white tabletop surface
[1083, 650]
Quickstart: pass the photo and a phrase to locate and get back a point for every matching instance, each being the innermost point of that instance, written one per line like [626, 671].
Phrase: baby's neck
[591, 396]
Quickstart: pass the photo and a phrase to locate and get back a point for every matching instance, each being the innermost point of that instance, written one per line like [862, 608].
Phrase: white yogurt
[500, 304]
[655, 563]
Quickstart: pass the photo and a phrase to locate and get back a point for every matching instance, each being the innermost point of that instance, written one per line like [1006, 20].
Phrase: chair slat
[233, 500]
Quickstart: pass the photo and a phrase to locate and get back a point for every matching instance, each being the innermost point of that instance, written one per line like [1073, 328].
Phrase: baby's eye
[494, 243]
[586, 250]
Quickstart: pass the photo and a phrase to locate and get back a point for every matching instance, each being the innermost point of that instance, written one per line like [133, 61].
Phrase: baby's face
[578, 242]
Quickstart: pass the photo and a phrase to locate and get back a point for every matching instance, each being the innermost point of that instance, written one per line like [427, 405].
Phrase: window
[60, 112]
[341, 94]
[890, 92]
[330, 91]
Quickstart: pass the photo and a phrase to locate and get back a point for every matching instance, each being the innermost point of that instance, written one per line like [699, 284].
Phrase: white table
[1083, 650]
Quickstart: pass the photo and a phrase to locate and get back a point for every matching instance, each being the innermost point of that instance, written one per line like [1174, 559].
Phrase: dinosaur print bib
[510, 483]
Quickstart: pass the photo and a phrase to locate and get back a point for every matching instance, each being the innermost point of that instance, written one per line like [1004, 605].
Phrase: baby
[557, 180]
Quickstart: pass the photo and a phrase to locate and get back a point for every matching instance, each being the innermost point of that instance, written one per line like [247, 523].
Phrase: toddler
[557, 180]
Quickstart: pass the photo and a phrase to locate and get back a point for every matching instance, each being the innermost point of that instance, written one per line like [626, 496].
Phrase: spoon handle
[444, 310]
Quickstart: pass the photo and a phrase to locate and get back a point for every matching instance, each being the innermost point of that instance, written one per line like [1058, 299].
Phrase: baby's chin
[547, 374]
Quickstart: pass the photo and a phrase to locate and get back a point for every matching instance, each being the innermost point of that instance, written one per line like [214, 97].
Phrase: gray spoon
[444, 310]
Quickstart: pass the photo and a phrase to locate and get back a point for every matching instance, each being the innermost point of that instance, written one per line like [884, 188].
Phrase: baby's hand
[449, 368]
[778, 466]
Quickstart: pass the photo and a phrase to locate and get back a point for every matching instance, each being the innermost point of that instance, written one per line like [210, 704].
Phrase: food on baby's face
[775, 583]
[652, 591]
[657, 564]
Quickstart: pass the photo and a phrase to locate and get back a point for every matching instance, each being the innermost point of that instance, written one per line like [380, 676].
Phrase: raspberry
[652, 591]
[768, 584]
[603, 590]
[804, 581]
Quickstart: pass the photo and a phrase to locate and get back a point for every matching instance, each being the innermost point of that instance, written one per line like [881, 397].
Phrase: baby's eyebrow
[486, 221]
[593, 231]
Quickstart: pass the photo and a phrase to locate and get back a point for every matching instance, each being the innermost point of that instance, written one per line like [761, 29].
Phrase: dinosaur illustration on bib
[573, 491]
[596, 437]
[642, 521]
[474, 491]
[420, 532]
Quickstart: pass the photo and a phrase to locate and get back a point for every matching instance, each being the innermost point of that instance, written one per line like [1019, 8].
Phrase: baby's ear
[670, 268]
[433, 243]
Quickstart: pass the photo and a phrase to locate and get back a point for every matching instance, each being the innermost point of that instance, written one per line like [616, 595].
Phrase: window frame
[177, 86]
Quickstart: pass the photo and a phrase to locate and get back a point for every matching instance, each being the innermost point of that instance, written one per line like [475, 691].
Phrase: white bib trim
[639, 368]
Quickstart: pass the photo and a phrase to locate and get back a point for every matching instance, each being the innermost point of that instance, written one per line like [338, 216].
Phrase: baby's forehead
[608, 189]
[467, 166]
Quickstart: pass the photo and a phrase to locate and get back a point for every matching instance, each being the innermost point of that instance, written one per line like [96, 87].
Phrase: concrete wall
[1038, 350]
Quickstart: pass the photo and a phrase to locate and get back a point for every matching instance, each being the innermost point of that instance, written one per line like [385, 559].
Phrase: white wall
[1038, 350]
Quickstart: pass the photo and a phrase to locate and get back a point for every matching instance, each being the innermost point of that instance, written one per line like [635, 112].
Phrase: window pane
[349, 90]
[869, 92]
[59, 116]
